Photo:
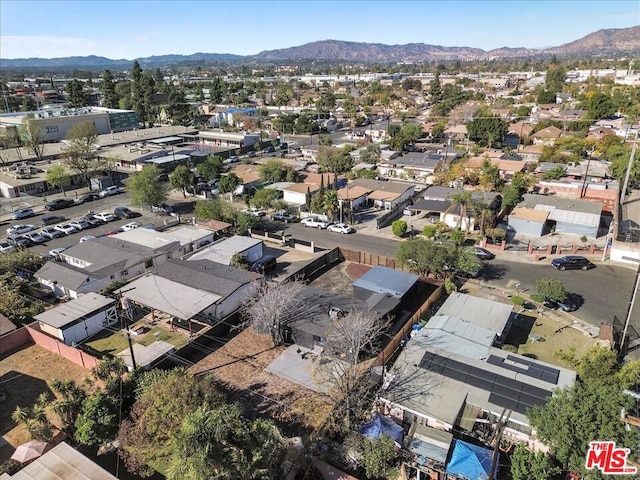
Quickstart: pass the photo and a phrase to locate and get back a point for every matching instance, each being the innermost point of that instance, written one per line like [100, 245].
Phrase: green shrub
[516, 300]
[509, 348]
[399, 228]
[429, 231]
[536, 297]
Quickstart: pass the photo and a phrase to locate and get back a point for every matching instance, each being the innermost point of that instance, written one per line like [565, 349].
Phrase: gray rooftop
[206, 275]
[481, 312]
[418, 160]
[568, 210]
[146, 355]
[66, 275]
[223, 250]
[442, 193]
[76, 309]
[381, 186]
[386, 280]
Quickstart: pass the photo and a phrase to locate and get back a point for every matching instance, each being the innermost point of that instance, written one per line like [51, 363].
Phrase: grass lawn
[113, 343]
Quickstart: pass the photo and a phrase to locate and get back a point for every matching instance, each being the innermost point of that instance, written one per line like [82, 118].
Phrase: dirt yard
[240, 365]
[24, 375]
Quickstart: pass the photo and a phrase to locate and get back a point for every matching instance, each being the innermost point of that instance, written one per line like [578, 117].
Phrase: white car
[315, 222]
[65, 228]
[107, 192]
[51, 233]
[20, 229]
[340, 228]
[105, 216]
[56, 251]
[256, 212]
[86, 238]
[131, 226]
[6, 247]
[35, 237]
[80, 224]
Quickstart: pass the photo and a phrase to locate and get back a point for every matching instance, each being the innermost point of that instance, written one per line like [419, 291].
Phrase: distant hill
[613, 41]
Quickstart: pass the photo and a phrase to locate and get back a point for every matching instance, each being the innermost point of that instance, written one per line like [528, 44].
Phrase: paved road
[602, 292]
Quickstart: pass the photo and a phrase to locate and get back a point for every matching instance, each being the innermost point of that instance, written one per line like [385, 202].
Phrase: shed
[384, 280]
[146, 356]
[73, 321]
[528, 221]
[577, 217]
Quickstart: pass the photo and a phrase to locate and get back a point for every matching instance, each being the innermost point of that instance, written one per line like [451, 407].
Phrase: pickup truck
[315, 222]
[162, 208]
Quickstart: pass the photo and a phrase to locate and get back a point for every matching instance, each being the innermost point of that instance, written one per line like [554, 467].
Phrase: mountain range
[613, 41]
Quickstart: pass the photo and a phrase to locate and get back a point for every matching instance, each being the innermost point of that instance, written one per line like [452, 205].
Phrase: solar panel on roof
[535, 391]
[534, 372]
[494, 360]
[523, 361]
[550, 377]
[504, 402]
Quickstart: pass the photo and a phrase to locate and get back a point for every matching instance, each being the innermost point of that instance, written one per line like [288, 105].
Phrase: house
[507, 168]
[355, 197]
[200, 289]
[62, 461]
[415, 165]
[74, 321]
[250, 176]
[385, 195]
[546, 136]
[435, 202]
[93, 265]
[178, 241]
[529, 221]
[451, 377]
[296, 193]
[565, 215]
[385, 289]
[223, 250]
[457, 132]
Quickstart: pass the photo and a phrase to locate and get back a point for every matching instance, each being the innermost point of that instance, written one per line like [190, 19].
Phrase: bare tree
[32, 136]
[80, 153]
[352, 339]
[276, 307]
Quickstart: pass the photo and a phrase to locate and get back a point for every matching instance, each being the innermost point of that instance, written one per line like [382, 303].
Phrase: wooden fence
[371, 259]
[387, 353]
[314, 268]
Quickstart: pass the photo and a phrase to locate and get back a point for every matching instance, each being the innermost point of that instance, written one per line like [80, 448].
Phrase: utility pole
[502, 422]
[123, 323]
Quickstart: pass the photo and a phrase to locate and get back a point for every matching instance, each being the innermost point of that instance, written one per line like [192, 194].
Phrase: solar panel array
[504, 392]
[526, 367]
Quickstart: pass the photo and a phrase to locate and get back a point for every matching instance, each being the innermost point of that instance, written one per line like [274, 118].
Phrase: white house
[224, 249]
[78, 319]
[180, 240]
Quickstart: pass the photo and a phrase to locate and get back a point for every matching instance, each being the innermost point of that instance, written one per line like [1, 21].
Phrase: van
[265, 264]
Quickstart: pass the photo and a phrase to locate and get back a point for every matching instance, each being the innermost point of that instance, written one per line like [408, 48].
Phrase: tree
[275, 307]
[182, 179]
[274, 170]
[68, 405]
[331, 204]
[244, 221]
[526, 464]
[371, 154]
[215, 209]
[98, 422]
[425, 257]
[490, 178]
[461, 203]
[510, 197]
[378, 456]
[164, 398]
[557, 172]
[218, 442]
[28, 104]
[487, 130]
[145, 188]
[467, 261]
[229, 183]
[35, 419]
[334, 160]
[58, 177]
[457, 236]
[80, 154]
[264, 198]
[211, 168]
[551, 288]
[399, 228]
[77, 97]
[32, 136]
[239, 260]
[109, 94]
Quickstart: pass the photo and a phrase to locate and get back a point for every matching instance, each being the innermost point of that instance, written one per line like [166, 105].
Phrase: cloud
[18, 46]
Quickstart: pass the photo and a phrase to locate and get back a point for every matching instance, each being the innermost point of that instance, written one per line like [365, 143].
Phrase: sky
[128, 29]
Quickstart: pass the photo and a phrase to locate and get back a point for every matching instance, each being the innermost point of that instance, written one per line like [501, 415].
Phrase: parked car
[410, 213]
[163, 177]
[131, 226]
[22, 213]
[88, 197]
[20, 229]
[256, 212]
[340, 228]
[65, 228]
[93, 220]
[35, 237]
[18, 241]
[565, 305]
[86, 238]
[572, 262]
[231, 159]
[59, 204]
[264, 264]
[284, 217]
[271, 149]
[162, 208]
[51, 233]
[105, 217]
[50, 220]
[115, 232]
[251, 154]
[124, 212]
[483, 253]
[6, 247]
[315, 222]
[56, 251]
[109, 191]
[80, 225]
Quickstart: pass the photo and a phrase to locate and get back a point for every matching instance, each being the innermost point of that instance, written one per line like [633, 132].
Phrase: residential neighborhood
[301, 271]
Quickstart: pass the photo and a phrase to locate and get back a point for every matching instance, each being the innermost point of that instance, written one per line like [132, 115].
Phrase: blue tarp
[470, 461]
[380, 425]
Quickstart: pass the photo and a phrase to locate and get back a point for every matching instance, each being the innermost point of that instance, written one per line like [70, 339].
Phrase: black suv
[124, 212]
[572, 262]
[59, 204]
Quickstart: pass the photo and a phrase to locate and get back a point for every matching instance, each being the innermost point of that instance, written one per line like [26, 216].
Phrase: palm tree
[21, 415]
[331, 204]
[461, 202]
[482, 214]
